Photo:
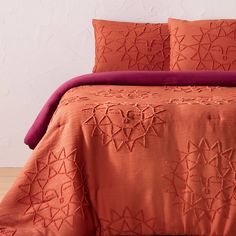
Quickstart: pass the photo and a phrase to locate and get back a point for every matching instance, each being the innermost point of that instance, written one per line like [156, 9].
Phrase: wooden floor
[7, 177]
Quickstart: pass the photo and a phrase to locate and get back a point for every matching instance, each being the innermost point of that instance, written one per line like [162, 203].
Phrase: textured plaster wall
[45, 42]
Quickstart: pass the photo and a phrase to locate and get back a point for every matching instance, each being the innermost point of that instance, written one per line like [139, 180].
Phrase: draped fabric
[130, 160]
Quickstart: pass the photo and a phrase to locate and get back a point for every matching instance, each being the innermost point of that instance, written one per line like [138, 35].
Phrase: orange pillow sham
[131, 46]
[202, 45]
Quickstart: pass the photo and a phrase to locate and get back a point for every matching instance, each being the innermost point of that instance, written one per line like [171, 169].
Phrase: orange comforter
[131, 160]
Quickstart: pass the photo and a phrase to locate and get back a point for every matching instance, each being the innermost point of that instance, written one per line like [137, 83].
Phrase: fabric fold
[40, 124]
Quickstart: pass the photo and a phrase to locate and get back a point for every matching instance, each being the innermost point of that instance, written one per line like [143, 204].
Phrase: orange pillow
[131, 46]
[203, 45]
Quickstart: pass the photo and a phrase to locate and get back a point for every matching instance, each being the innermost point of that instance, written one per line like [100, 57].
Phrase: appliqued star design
[134, 46]
[55, 191]
[142, 51]
[129, 223]
[125, 125]
[178, 48]
[203, 179]
[103, 42]
[215, 46]
[7, 231]
[123, 93]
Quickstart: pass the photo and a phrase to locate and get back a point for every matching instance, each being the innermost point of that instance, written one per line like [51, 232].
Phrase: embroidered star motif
[209, 50]
[203, 179]
[125, 125]
[7, 231]
[130, 223]
[55, 190]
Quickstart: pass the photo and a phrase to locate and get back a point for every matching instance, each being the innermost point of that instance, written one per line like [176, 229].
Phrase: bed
[145, 145]
[130, 153]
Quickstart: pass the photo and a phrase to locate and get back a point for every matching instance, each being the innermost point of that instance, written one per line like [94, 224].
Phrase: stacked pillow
[203, 45]
[179, 45]
[131, 46]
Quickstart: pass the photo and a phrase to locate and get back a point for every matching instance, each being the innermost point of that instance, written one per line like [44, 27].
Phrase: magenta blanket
[40, 124]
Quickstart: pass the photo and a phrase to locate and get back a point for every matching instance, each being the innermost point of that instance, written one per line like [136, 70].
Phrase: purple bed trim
[210, 78]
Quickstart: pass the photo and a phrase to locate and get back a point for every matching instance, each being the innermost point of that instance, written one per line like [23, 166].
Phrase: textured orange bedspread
[131, 160]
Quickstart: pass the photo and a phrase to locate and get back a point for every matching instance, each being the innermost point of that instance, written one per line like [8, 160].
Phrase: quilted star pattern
[7, 231]
[190, 89]
[203, 179]
[177, 55]
[203, 45]
[129, 222]
[125, 125]
[72, 99]
[123, 93]
[55, 190]
[202, 100]
[131, 46]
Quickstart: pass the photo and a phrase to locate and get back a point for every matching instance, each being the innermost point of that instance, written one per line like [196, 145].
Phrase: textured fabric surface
[131, 46]
[203, 45]
[39, 126]
[130, 160]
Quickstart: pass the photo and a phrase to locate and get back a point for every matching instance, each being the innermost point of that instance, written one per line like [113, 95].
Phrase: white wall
[45, 42]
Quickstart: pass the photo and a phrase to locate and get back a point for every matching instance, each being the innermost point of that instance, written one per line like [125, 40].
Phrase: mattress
[130, 154]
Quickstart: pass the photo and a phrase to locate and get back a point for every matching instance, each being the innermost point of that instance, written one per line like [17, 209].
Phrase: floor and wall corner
[7, 177]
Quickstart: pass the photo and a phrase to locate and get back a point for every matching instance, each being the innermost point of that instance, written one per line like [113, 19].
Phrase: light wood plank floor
[7, 177]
